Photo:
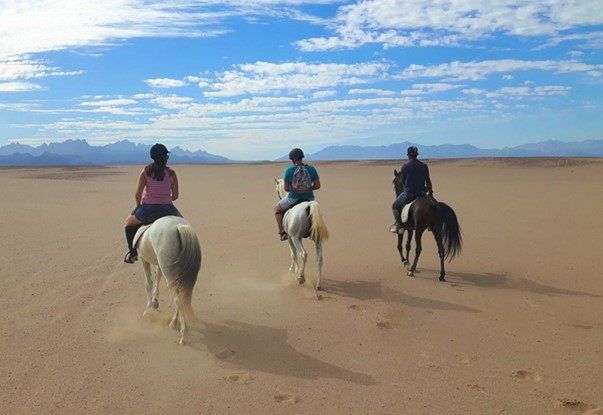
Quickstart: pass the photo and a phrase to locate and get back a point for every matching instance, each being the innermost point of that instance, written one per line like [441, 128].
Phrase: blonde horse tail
[186, 268]
[318, 230]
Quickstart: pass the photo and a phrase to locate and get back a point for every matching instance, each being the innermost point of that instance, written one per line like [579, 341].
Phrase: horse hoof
[442, 278]
[155, 304]
[301, 280]
[411, 274]
[319, 288]
[406, 264]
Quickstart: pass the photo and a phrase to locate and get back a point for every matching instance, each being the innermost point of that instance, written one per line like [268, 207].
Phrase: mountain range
[79, 152]
[593, 148]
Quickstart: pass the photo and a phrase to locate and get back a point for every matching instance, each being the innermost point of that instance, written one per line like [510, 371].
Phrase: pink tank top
[159, 192]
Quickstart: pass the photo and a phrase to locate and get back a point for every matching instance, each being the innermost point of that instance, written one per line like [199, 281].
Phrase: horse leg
[302, 258]
[155, 299]
[293, 267]
[148, 284]
[319, 260]
[441, 253]
[175, 319]
[418, 249]
[179, 319]
[408, 241]
[399, 246]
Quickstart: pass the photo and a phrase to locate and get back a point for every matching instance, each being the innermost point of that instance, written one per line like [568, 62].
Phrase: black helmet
[158, 152]
[412, 151]
[296, 154]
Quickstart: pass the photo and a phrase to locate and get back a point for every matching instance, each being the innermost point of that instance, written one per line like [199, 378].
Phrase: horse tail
[318, 227]
[447, 225]
[186, 268]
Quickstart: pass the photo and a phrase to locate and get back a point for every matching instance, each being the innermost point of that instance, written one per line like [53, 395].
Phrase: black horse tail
[447, 225]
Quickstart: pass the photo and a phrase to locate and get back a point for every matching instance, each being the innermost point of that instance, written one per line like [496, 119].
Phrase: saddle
[403, 216]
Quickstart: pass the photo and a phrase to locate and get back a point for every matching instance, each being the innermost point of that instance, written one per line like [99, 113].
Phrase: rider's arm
[286, 186]
[316, 184]
[175, 189]
[142, 182]
[428, 182]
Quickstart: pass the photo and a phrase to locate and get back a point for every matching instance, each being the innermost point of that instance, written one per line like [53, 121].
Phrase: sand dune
[516, 329]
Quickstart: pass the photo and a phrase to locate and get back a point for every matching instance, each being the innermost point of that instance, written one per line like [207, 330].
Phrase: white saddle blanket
[405, 211]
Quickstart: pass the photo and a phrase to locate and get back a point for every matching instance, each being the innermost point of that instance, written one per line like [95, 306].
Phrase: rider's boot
[132, 255]
[279, 222]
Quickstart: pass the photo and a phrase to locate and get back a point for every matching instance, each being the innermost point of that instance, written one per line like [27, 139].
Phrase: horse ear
[395, 172]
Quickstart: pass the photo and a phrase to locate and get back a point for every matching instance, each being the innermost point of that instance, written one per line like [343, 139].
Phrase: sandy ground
[516, 329]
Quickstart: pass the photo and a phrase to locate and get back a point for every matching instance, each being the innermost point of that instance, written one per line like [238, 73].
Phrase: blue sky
[251, 79]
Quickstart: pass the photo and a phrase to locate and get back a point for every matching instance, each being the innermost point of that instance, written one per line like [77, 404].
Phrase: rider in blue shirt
[415, 176]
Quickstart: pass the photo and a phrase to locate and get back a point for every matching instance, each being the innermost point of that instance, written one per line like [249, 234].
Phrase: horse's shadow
[263, 348]
[490, 280]
[373, 290]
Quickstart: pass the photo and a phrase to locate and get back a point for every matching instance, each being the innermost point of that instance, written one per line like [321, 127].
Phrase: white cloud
[370, 91]
[172, 102]
[165, 83]
[323, 94]
[459, 71]
[395, 23]
[18, 86]
[422, 89]
[264, 77]
[520, 91]
[14, 69]
[111, 102]
[75, 23]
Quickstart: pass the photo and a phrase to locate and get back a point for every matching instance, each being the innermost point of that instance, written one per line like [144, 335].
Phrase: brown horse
[437, 217]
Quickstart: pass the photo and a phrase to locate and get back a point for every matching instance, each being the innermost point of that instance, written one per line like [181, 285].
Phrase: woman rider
[160, 186]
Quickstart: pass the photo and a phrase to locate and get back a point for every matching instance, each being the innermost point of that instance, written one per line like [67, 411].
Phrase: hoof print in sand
[356, 307]
[240, 378]
[578, 406]
[226, 354]
[476, 387]
[528, 375]
[384, 324]
[285, 398]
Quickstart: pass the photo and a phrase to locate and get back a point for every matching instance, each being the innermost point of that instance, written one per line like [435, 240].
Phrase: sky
[251, 79]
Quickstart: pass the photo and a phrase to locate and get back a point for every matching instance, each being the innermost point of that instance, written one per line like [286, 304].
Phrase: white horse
[302, 221]
[171, 244]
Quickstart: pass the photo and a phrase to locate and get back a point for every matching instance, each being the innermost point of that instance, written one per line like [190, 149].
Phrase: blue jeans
[403, 199]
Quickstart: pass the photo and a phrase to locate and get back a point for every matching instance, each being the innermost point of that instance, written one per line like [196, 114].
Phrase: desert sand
[516, 329]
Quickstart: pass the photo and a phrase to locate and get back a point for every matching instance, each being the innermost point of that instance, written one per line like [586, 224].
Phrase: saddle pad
[139, 233]
[405, 211]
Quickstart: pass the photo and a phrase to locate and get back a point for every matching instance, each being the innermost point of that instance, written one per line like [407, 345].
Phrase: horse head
[280, 188]
[397, 182]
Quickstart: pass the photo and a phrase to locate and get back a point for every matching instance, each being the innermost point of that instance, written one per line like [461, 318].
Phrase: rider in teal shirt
[296, 156]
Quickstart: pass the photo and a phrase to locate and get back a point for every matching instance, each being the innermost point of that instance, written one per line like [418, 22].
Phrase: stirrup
[129, 258]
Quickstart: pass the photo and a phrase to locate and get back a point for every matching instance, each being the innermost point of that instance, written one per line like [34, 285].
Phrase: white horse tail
[186, 268]
[318, 229]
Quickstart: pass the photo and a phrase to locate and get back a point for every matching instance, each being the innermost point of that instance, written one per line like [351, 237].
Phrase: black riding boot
[130, 233]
